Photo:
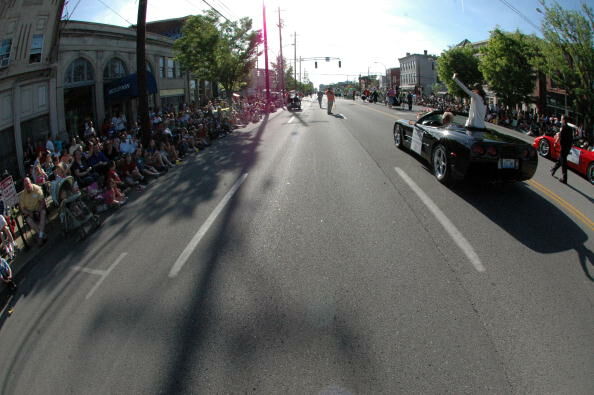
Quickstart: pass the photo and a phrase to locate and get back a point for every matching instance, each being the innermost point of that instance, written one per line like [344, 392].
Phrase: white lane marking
[292, 118]
[454, 233]
[183, 257]
[89, 271]
[102, 273]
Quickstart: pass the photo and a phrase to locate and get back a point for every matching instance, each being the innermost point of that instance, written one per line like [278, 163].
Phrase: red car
[579, 159]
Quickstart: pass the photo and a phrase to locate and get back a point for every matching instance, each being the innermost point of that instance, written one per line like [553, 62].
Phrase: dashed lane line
[183, 257]
[454, 233]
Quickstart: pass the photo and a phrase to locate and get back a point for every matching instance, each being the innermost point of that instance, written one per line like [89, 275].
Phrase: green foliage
[506, 65]
[223, 51]
[568, 54]
[461, 60]
[290, 82]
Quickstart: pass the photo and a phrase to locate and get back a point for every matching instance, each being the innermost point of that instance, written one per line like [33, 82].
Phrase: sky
[366, 35]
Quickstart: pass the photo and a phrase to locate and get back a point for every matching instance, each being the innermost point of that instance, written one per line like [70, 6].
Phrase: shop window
[36, 48]
[114, 69]
[78, 73]
[5, 52]
[162, 67]
[170, 68]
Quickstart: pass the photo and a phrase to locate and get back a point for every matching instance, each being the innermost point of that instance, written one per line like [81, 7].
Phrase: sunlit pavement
[308, 255]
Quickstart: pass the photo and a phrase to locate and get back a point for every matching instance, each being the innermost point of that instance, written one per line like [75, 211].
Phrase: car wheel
[590, 173]
[398, 140]
[441, 165]
[544, 148]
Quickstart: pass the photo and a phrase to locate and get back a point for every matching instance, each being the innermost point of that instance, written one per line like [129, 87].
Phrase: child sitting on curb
[6, 275]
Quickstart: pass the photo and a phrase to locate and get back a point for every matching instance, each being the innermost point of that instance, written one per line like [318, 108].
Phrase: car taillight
[478, 149]
[492, 151]
[525, 153]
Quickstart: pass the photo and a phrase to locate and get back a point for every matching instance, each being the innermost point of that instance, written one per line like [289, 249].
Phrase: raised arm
[461, 85]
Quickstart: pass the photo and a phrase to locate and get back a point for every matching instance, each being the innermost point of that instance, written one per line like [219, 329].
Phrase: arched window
[115, 68]
[79, 72]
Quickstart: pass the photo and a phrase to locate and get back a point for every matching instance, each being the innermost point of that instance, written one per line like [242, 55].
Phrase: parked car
[457, 153]
[580, 159]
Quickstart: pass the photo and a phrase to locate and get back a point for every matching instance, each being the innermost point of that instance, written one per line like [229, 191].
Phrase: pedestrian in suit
[566, 141]
[409, 99]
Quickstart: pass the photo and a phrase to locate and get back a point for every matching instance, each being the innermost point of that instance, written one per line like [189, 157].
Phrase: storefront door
[79, 106]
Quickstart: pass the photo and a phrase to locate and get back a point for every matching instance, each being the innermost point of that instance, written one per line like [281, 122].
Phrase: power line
[229, 12]
[217, 11]
[115, 12]
[514, 9]
[69, 14]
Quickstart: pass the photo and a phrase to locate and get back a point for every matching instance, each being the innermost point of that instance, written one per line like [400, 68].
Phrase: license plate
[508, 163]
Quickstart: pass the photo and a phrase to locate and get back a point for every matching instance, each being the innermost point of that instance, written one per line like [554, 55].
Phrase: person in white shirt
[478, 108]
[49, 145]
[89, 129]
[119, 122]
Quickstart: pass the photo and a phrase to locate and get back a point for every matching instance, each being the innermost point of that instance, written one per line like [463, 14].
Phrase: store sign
[128, 87]
[8, 192]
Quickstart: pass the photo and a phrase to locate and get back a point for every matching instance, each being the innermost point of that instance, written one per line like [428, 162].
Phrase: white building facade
[28, 68]
[418, 73]
[96, 75]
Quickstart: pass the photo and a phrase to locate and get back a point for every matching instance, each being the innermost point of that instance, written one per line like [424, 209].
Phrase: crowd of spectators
[108, 162]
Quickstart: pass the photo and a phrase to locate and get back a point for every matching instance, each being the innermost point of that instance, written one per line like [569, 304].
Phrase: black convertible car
[457, 153]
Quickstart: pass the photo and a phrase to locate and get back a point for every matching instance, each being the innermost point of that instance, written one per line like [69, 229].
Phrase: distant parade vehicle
[458, 153]
[294, 103]
[580, 158]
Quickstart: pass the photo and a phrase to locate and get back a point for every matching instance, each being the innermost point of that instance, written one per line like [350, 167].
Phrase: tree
[290, 82]
[461, 60]
[568, 56]
[222, 51]
[506, 65]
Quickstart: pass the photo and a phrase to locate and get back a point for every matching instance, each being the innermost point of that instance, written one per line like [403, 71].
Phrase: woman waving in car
[478, 106]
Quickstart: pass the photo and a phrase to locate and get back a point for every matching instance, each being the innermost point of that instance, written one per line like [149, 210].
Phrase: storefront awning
[128, 87]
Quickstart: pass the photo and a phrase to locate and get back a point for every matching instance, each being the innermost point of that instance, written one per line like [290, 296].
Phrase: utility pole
[295, 63]
[282, 65]
[300, 79]
[266, 58]
[145, 124]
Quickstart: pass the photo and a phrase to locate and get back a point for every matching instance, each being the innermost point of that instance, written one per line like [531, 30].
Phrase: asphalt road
[300, 256]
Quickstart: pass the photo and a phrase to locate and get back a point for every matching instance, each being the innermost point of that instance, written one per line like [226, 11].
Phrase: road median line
[563, 203]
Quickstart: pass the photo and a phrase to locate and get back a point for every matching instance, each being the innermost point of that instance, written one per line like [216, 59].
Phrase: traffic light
[339, 64]
[316, 64]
